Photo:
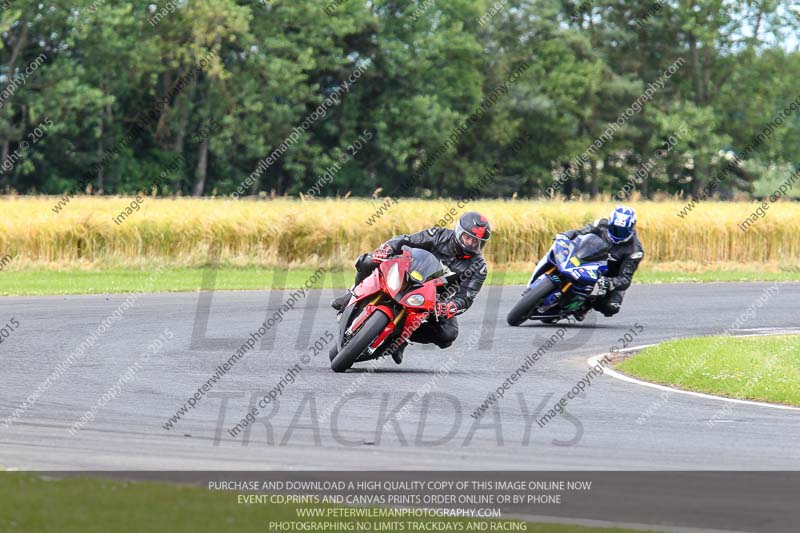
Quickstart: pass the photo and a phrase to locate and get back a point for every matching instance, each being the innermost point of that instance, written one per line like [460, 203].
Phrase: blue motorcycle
[564, 280]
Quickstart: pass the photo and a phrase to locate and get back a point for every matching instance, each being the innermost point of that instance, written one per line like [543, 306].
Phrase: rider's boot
[397, 354]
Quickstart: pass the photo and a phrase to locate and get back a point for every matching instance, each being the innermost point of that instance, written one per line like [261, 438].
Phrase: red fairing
[412, 322]
[368, 287]
[366, 290]
[376, 283]
[367, 312]
[402, 267]
[428, 291]
[385, 333]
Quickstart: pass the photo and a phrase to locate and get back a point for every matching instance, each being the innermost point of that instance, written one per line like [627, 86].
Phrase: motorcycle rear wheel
[524, 308]
[360, 342]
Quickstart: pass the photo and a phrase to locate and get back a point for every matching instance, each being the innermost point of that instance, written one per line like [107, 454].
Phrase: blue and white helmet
[621, 224]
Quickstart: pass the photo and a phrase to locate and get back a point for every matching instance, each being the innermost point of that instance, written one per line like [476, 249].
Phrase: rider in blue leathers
[624, 257]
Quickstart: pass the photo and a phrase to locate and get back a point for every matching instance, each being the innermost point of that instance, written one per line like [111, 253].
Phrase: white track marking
[595, 360]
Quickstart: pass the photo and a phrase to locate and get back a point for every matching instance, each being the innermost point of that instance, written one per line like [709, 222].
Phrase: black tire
[520, 312]
[360, 341]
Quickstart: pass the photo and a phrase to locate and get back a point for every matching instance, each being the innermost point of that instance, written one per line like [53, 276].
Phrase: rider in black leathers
[623, 260]
[460, 250]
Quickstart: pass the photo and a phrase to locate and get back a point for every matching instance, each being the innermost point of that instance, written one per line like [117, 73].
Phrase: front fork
[557, 296]
[390, 327]
[347, 321]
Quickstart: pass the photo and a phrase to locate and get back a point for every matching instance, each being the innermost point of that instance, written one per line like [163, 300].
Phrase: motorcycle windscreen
[590, 248]
[424, 265]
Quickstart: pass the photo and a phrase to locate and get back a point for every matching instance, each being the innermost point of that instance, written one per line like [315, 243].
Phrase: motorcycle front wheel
[524, 308]
[360, 342]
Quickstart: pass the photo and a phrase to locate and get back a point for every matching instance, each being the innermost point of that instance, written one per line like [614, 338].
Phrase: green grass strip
[748, 368]
[56, 282]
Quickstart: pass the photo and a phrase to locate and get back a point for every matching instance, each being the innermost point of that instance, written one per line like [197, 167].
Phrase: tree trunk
[641, 147]
[182, 121]
[568, 186]
[12, 65]
[18, 46]
[701, 167]
[644, 188]
[697, 69]
[256, 184]
[696, 185]
[100, 173]
[202, 168]
[594, 186]
[162, 125]
[4, 152]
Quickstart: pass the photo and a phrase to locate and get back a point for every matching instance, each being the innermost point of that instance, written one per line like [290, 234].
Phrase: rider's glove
[384, 251]
[604, 285]
[446, 309]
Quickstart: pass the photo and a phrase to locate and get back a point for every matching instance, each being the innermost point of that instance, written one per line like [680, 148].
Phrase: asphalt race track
[337, 421]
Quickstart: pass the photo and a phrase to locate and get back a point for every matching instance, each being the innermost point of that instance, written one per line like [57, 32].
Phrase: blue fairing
[581, 261]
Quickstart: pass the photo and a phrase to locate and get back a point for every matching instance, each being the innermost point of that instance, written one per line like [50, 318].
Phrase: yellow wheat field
[283, 232]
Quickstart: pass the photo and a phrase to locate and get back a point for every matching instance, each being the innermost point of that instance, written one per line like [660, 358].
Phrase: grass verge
[39, 282]
[749, 368]
[88, 505]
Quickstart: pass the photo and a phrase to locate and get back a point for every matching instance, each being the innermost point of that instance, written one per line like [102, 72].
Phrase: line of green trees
[235, 89]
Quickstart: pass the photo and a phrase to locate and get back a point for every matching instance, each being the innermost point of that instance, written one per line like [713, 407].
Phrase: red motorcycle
[387, 307]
